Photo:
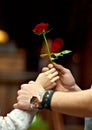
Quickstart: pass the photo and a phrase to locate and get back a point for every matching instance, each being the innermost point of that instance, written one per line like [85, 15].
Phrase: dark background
[19, 18]
[70, 19]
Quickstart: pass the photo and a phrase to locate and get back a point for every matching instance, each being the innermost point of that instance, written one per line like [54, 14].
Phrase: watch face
[35, 103]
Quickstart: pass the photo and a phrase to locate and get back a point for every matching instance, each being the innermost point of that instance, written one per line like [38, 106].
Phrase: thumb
[59, 67]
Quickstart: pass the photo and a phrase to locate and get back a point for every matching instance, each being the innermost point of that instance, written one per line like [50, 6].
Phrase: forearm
[76, 104]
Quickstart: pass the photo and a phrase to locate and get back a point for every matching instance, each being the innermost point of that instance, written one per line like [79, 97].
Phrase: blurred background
[20, 62]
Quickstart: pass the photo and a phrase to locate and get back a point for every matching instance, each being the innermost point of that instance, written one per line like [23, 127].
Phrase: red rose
[57, 45]
[41, 27]
[53, 51]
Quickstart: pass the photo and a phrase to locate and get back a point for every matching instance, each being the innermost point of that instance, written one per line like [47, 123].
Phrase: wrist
[42, 100]
[35, 101]
[75, 87]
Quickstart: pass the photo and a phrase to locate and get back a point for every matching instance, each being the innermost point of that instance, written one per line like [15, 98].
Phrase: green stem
[47, 46]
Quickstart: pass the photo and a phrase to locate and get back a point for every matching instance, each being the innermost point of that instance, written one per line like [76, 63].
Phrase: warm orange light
[4, 37]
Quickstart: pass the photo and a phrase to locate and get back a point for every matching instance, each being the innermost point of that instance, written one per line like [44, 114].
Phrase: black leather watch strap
[46, 101]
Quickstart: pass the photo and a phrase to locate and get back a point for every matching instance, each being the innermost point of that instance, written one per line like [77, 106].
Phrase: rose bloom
[39, 28]
[57, 44]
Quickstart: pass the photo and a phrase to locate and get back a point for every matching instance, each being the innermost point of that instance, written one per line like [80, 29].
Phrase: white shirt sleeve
[17, 120]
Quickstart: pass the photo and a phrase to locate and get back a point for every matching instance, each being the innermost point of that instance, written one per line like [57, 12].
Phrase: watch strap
[46, 101]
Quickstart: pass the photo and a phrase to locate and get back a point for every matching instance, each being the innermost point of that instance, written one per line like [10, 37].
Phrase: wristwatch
[35, 101]
[42, 100]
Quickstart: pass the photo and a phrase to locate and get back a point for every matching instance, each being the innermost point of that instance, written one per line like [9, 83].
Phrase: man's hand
[66, 81]
[25, 94]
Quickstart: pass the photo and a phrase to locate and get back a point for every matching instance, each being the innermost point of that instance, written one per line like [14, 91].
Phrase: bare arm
[76, 104]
